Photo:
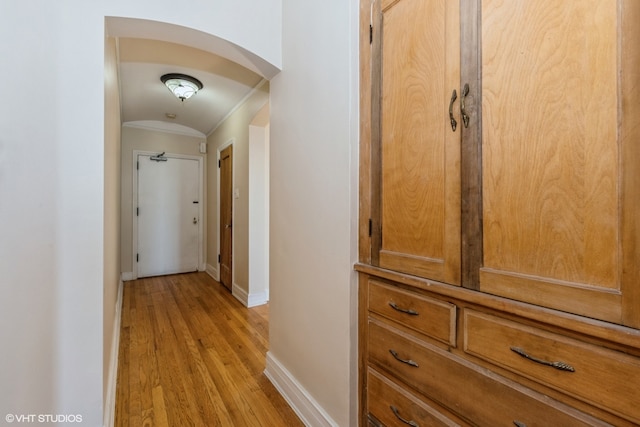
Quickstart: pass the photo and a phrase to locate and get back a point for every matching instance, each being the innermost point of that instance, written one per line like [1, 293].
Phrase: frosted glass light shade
[181, 85]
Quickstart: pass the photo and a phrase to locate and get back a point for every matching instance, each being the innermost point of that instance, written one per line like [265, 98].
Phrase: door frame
[230, 142]
[134, 222]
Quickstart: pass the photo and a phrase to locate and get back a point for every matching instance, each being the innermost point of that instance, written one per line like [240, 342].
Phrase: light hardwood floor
[192, 355]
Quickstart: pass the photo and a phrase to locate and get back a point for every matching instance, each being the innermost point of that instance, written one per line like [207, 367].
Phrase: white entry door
[168, 215]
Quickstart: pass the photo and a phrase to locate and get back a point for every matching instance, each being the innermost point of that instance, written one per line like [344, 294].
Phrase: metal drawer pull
[519, 424]
[557, 365]
[463, 108]
[397, 414]
[402, 310]
[407, 361]
[454, 123]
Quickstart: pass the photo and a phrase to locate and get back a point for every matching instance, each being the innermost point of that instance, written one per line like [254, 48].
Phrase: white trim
[240, 294]
[211, 271]
[258, 197]
[238, 105]
[257, 299]
[201, 215]
[110, 403]
[249, 300]
[126, 276]
[305, 406]
[158, 126]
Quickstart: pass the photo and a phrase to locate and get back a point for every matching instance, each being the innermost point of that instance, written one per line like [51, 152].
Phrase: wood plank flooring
[191, 355]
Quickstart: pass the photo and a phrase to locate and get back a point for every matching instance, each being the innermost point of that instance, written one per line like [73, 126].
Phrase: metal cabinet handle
[454, 123]
[519, 424]
[557, 365]
[407, 361]
[463, 108]
[397, 414]
[402, 310]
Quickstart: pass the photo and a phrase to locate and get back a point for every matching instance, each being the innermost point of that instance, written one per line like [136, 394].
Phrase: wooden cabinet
[589, 372]
[533, 194]
[500, 200]
[507, 365]
[556, 155]
[417, 160]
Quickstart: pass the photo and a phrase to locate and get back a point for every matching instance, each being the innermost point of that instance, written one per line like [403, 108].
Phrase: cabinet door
[560, 132]
[416, 152]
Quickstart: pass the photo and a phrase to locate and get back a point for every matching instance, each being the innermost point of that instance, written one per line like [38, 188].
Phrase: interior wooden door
[226, 217]
[558, 119]
[416, 148]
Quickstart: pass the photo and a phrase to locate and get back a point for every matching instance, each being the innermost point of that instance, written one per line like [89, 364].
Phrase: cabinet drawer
[385, 399]
[480, 396]
[602, 377]
[434, 318]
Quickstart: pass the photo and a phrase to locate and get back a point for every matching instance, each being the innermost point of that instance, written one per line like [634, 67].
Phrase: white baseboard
[213, 272]
[126, 276]
[110, 404]
[305, 406]
[240, 294]
[249, 300]
[257, 299]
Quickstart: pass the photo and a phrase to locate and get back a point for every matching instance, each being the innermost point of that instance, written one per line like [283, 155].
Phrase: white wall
[52, 192]
[30, 213]
[111, 262]
[313, 206]
[259, 208]
[52, 186]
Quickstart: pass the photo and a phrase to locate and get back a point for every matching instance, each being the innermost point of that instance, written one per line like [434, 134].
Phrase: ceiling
[146, 101]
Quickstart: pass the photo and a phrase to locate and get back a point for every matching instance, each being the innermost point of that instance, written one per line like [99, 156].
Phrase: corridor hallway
[192, 355]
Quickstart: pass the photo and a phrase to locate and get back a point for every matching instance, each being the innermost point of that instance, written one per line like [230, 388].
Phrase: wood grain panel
[608, 334]
[419, 151]
[365, 151]
[630, 137]
[550, 140]
[590, 301]
[601, 377]
[428, 316]
[413, 128]
[383, 394]
[471, 148]
[476, 394]
[363, 349]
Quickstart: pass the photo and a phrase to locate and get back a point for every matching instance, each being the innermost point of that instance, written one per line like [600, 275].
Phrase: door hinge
[219, 258]
[137, 165]
[370, 227]
[137, 257]
[137, 211]
[218, 163]
[370, 34]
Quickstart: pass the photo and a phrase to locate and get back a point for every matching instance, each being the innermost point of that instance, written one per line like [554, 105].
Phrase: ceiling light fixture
[181, 85]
